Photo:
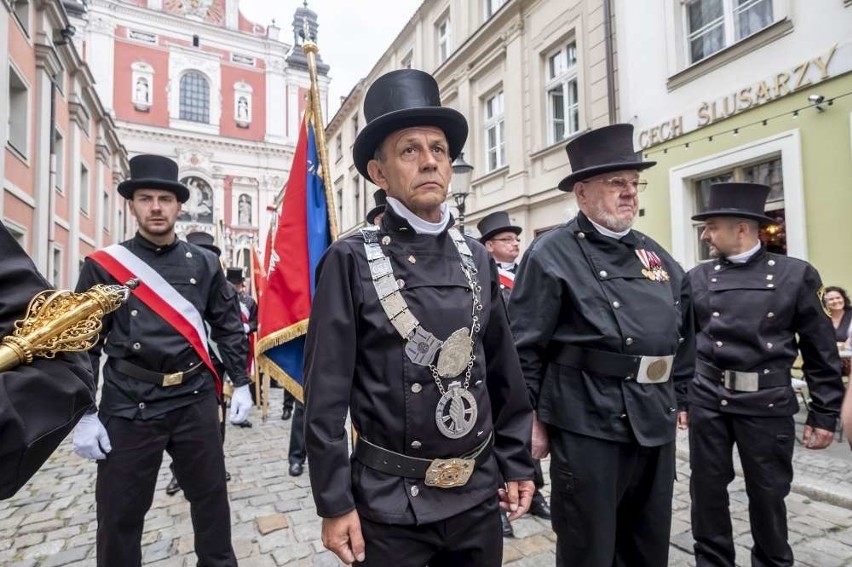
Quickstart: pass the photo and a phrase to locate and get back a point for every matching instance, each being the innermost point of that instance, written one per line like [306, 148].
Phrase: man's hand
[682, 420]
[240, 404]
[816, 438]
[342, 536]
[540, 440]
[516, 497]
[90, 438]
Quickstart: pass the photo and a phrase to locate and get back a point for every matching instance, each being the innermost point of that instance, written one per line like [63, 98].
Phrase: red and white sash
[160, 297]
[507, 278]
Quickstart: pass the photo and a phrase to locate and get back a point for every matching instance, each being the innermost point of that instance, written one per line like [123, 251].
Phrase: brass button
[616, 304]
[136, 346]
[603, 274]
[416, 388]
[581, 235]
[770, 285]
[141, 405]
[724, 402]
[416, 444]
[770, 315]
[622, 416]
[680, 340]
[715, 314]
[134, 312]
[192, 281]
[628, 341]
[189, 254]
[717, 267]
[718, 343]
[771, 262]
[415, 491]
[412, 259]
[769, 345]
[714, 280]
[769, 277]
[400, 283]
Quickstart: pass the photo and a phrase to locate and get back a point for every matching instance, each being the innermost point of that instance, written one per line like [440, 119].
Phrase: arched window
[194, 98]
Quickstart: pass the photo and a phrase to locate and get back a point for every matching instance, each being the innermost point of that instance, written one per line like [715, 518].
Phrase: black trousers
[126, 479]
[765, 445]
[611, 502]
[473, 538]
[297, 452]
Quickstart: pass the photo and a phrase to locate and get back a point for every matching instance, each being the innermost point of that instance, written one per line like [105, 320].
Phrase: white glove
[240, 404]
[90, 438]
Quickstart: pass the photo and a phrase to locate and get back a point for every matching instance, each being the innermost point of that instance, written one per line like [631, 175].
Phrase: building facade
[219, 94]
[756, 90]
[62, 156]
[527, 74]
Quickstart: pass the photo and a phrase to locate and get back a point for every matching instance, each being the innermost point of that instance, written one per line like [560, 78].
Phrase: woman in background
[840, 309]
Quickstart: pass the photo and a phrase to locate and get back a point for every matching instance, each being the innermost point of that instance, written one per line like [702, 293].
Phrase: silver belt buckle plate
[655, 369]
[449, 473]
[742, 381]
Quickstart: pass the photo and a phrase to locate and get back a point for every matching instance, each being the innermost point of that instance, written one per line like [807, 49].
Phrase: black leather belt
[598, 361]
[164, 379]
[442, 473]
[743, 381]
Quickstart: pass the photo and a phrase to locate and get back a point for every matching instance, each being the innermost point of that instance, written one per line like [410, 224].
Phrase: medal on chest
[654, 269]
[456, 412]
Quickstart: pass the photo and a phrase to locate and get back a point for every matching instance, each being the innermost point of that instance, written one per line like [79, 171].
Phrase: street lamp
[461, 185]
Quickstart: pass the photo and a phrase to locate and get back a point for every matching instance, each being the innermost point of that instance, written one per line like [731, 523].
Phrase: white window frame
[59, 152]
[492, 7]
[19, 107]
[445, 39]
[681, 193]
[85, 189]
[562, 77]
[106, 214]
[729, 21]
[494, 113]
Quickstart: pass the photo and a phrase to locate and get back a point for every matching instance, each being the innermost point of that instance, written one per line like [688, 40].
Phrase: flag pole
[311, 49]
[256, 374]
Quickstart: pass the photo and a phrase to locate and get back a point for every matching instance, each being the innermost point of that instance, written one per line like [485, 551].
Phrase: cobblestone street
[51, 522]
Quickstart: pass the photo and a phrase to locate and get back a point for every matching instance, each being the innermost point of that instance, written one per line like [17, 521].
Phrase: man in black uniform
[408, 332]
[500, 238]
[248, 315]
[40, 402]
[750, 307]
[603, 326]
[160, 389]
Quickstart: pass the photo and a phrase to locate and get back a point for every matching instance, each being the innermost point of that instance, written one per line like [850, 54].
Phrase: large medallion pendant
[455, 414]
[455, 354]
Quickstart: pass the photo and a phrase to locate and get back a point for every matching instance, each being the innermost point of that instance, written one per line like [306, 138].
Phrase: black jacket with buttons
[139, 335]
[578, 287]
[355, 361]
[757, 317]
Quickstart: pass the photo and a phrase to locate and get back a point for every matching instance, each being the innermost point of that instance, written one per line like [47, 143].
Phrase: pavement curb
[804, 484]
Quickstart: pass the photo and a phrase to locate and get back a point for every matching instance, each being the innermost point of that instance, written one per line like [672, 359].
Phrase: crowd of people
[461, 368]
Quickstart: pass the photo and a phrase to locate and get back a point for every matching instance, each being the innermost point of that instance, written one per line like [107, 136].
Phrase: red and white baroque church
[196, 81]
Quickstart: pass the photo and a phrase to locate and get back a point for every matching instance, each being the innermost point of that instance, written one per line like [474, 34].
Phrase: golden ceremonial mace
[61, 320]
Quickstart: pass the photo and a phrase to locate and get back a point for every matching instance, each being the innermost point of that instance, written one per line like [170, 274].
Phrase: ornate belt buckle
[655, 369]
[742, 381]
[449, 473]
[172, 379]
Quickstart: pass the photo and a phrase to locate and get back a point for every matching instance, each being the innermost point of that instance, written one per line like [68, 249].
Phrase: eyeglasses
[509, 239]
[619, 184]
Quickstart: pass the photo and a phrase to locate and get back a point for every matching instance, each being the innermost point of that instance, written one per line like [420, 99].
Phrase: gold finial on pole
[59, 321]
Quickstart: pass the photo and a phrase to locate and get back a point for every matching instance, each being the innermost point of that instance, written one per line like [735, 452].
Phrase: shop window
[766, 172]
[194, 98]
[563, 100]
[713, 25]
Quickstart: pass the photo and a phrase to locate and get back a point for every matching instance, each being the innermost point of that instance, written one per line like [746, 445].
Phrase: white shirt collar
[743, 257]
[419, 225]
[607, 232]
[507, 265]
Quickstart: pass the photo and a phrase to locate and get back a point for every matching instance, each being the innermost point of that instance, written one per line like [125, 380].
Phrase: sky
[352, 34]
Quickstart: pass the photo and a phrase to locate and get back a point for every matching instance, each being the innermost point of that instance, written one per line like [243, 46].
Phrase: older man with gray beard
[602, 321]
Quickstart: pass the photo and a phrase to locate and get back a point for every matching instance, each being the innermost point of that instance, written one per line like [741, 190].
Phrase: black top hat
[404, 99]
[148, 171]
[741, 200]
[205, 240]
[494, 224]
[234, 275]
[381, 199]
[605, 149]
